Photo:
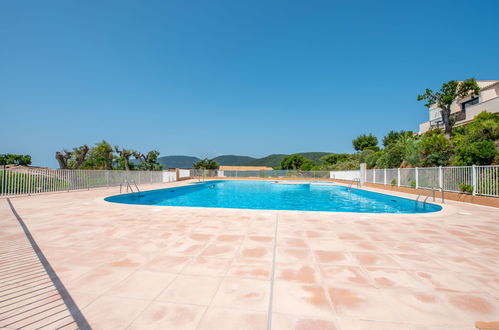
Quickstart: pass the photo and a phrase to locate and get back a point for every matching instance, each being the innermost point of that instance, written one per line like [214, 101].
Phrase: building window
[467, 103]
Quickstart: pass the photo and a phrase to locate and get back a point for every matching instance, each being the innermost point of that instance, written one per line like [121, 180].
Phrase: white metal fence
[23, 181]
[345, 175]
[281, 174]
[483, 180]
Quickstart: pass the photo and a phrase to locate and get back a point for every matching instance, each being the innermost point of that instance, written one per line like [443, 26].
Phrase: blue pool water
[267, 195]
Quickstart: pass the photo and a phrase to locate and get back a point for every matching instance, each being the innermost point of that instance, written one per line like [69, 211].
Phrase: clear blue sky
[214, 77]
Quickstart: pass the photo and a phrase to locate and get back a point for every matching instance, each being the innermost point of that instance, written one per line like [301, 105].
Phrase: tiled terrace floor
[140, 267]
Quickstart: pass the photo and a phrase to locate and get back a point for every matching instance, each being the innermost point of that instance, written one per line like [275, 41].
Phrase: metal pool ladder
[128, 186]
[356, 181]
[432, 191]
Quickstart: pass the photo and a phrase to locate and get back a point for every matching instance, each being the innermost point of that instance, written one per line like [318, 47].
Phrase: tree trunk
[80, 158]
[107, 161]
[61, 160]
[125, 158]
[445, 113]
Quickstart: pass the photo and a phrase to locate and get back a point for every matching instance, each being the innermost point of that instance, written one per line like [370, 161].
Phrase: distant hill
[273, 160]
[315, 156]
[233, 160]
[177, 161]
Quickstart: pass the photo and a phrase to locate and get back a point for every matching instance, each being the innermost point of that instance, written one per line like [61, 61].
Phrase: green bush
[413, 184]
[475, 153]
[365, 141]
[436, 150]
[466, 188]
[393, 182]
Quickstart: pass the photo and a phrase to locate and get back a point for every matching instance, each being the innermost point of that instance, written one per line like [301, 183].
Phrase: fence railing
[482, 180]
[273, 174]
[25, 181]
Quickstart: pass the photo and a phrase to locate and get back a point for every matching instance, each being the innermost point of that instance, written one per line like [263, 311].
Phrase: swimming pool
[267, 195]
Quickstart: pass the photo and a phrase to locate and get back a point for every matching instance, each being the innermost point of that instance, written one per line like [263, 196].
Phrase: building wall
[488, 98]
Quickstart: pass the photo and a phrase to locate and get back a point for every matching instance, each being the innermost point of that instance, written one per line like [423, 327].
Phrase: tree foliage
[393, 136]
[297, 162]
[475, 143]
[448, 93]
[102, 156]
[206, 164]
[365, 141]
[8, 159]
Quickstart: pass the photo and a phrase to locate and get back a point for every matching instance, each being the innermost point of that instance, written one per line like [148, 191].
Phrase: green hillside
[177, 161]
[273, 160]
[232, 160]
[314, 156]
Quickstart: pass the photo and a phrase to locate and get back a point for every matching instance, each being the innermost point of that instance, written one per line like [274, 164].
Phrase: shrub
[413, 184]
[393, 182]
[475, 153]
[365, 141]
[436, 150]
[466, 188]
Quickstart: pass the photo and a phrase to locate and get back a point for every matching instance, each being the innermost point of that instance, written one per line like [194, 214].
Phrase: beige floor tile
[243, 293]
[161, 315]
[294, 272]
[230, 319]
[207, 266]
[113, 312]
[348, 275]
[167, 264]
[255, 269]
[191, 289]
[301, 299]
[142, 284]
[285, 322]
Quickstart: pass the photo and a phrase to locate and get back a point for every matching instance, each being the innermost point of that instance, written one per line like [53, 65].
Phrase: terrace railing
[27, 181]
[484, 180]
[273, 174]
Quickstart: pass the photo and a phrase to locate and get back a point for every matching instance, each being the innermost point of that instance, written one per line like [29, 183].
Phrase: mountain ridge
[272, 160]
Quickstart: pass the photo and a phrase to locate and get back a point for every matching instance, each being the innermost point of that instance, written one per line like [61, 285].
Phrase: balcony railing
[454, 118]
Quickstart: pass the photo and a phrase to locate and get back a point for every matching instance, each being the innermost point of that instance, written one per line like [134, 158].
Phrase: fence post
[473, 179]
[107, 178]
[440, 177]
[398, 176]
[417, 178]
[374, 175]
[362, 174]
[384, 176]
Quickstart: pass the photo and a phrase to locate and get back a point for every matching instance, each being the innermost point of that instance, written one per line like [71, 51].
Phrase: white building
[465, 109]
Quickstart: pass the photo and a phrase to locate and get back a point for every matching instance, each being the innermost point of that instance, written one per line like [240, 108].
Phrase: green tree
[104, 151]
[149, 162]
[124, 158]
[448, 93]
[296, 162]
[7, 159]
[206, 164]
[475, 153]
[332, 159]
[393, 137]
[72, 159]
[436, 150]
[309, 166]
[475, 143]
[365, 141]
